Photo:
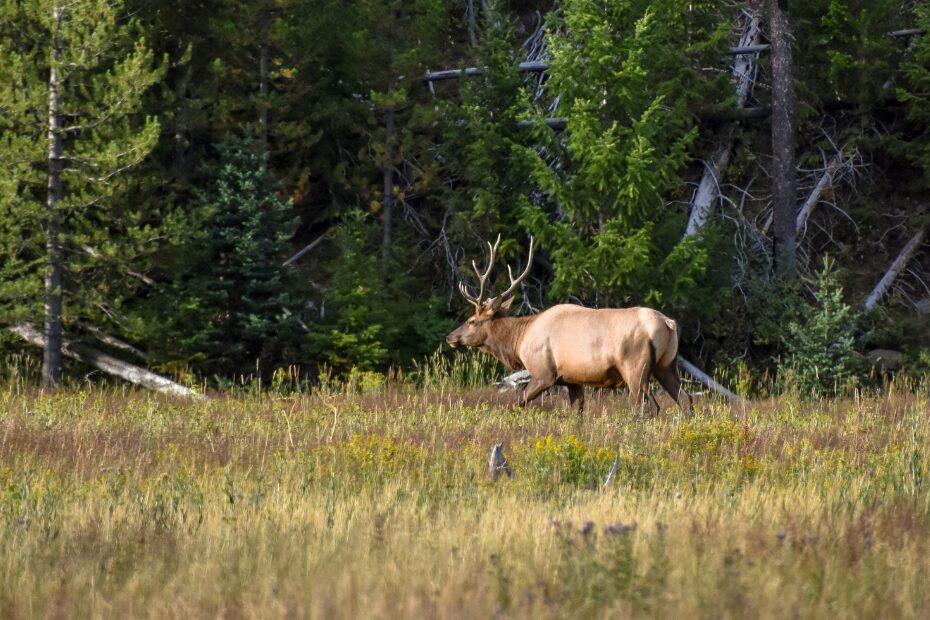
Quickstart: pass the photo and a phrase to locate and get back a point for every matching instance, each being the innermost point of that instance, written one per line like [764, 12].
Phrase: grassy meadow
[372, 500]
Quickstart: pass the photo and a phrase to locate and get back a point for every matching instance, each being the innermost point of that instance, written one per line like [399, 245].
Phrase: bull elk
[573, 346]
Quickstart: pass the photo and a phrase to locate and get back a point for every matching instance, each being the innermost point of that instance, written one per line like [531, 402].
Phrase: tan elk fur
[576, 346]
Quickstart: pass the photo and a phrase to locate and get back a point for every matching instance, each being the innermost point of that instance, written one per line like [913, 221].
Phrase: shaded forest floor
[118, 503]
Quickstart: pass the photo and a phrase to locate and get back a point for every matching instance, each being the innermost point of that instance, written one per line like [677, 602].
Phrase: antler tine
[482, 277]
[469, 298]
[526, 272]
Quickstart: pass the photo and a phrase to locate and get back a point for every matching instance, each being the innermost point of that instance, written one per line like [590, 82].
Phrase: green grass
[375, 503]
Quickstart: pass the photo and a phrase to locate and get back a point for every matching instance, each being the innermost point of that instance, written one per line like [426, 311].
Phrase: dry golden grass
[117, 503]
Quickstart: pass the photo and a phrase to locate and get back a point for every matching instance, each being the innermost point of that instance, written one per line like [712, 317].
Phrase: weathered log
[538, 67]
[112, 341]
[513, 381]
[907, 32]
[707, 191]
[449, 74]
[903, 258]
[701, 376]
[106, 363]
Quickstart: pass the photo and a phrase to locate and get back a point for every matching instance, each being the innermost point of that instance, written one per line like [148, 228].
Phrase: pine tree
[914, 142]
[625, 73]
[79, 72]
[233, 306]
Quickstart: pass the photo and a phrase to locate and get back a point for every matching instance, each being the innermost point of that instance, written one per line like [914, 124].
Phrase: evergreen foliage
[71, 212]
[819, 347]
[915, 93]
[629, 88]
[236, 308]
[203, 143]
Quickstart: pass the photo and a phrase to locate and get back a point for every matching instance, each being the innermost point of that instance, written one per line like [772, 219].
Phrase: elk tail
[667, 356]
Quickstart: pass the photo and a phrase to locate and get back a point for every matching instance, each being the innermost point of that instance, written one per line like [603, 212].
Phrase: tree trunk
[783, 156]
[472, 19]
[106, 363]
[263, 103]
[51, 359]
[387, 194]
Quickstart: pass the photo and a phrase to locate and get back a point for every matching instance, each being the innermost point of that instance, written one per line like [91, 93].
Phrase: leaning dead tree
[839, 165]
[744, 74]
[903, 258]
[106, 363]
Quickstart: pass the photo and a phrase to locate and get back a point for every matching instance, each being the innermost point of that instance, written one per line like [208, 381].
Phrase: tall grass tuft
[469, 369]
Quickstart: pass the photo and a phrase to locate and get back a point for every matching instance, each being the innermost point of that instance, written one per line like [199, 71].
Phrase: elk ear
[502, 308]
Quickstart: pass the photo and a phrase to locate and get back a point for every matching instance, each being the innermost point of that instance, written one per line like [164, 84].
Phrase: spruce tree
[626, 76]
[75, 74]
[233, 305]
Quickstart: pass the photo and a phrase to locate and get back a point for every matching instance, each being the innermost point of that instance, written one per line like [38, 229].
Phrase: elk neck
[504, 339]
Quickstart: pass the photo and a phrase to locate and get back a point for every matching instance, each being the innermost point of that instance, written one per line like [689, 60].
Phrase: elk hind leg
[669, 379]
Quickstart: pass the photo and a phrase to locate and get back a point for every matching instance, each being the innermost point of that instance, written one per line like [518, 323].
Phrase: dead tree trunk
[707, 380]
[784, 249]
[904, 257]
[709, 187]
[51, 359]
[293, 259]
[822, 183]
[707, 191]
[106, 363]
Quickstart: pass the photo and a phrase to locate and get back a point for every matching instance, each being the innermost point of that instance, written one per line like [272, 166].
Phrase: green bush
[819, 355]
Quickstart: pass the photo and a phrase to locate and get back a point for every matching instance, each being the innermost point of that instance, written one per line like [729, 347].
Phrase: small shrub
[819, 354]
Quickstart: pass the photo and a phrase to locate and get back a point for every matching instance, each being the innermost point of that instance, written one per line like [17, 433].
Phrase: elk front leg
[576, 396]
[639, 390]
[533, 389]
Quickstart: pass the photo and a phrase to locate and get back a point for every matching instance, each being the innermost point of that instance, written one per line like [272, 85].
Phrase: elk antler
[515, 283]
[482, 299]
[482, 279]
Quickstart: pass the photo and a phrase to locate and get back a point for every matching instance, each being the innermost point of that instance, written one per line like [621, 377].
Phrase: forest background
[218, 190]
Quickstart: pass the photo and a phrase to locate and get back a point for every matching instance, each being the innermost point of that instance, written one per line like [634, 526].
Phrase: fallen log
[112, 341]
[903, 258]
[704, 378]
[106, 363]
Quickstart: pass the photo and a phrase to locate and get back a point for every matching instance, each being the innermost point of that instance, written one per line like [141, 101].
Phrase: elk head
[476, 330]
